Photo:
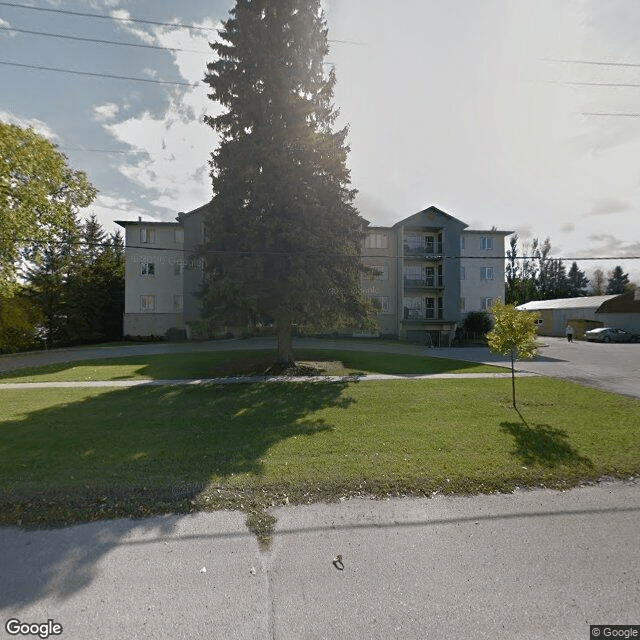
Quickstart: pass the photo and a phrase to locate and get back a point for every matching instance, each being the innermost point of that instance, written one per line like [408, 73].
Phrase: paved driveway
[612, 367]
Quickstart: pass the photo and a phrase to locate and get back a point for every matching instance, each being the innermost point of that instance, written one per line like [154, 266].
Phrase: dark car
[609, 334]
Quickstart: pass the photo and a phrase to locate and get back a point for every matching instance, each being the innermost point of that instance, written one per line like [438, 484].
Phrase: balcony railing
[430, 282]
[433, 251]
[422, 315]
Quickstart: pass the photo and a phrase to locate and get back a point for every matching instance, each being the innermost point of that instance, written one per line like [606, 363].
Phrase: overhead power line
[613, 115]
[105, 17]
[113, 42]
[594, 62]
[97, 75]
[137, 20]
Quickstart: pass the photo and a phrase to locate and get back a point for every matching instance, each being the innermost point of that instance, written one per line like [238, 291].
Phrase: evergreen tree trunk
[285, 343]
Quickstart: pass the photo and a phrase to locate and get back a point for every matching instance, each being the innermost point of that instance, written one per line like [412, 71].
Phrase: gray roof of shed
[584, 302]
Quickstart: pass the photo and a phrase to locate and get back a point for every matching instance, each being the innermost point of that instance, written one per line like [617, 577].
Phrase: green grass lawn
[80, 454]
[213, 364]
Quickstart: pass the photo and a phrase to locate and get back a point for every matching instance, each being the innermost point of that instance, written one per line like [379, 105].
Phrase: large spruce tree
[283, 235]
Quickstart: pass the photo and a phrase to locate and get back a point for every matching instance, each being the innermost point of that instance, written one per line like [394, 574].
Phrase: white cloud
[4, 23]
[177, 144]
[105, 112]
[30, 123]
[109, 208]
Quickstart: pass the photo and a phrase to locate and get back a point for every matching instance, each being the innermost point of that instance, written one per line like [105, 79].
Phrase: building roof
[124, 223]
[430, 211]
[584, 302]
[628, 302]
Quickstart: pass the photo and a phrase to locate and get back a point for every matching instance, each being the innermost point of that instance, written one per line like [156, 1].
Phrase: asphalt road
[529, 565]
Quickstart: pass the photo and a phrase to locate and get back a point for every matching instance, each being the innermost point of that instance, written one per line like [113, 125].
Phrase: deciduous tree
[513, 334]
[39, 195]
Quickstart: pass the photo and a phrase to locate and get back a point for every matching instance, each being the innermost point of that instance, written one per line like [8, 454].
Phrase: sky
[491, 110]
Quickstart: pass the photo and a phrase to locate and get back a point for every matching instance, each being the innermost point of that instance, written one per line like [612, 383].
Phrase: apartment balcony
[422, 315]
[434, 282]
[426, 252]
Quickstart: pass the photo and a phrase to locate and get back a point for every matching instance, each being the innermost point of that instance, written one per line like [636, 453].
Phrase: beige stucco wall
[151, 324]
[472, 287]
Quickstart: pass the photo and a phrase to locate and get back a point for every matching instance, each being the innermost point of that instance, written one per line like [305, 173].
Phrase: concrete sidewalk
[533, 565]
[250, 380]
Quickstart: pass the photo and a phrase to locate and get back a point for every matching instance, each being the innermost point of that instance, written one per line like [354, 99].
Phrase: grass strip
[73, 455]
[212, 364]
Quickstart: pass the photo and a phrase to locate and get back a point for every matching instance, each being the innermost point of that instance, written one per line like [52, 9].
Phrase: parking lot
[611, 367]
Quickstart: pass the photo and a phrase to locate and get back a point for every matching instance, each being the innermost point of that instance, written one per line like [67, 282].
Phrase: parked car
[609, 334]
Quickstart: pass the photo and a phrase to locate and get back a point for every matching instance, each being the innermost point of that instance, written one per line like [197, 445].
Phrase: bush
[477, 323]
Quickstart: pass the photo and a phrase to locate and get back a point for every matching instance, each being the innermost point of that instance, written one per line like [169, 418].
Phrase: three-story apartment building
[428, 271]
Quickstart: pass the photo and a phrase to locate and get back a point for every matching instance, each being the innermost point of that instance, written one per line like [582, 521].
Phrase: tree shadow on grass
[82, 455]
[543, 445]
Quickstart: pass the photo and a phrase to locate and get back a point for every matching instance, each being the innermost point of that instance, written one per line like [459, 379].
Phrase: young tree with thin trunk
[513, 334]
[283, 236]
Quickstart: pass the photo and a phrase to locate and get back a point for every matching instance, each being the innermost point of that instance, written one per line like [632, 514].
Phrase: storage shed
[581, 313]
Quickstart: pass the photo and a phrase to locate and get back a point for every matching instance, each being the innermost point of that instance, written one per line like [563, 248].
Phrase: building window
[381, 272]
[178, 302]
[486, 273]
[462, 304]
[463, 273]
[147, 303]
[177, 268]
[178, 235]
[486, 303]
[462, 242]
[376, 241]
[486, 243]
[147, 269]
[147, 235]
[380, 303]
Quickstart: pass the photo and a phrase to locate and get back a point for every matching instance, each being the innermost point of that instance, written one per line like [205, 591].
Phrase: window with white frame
[147, 269]
[485, 303]
[147, 303]
[486, 273]
[178, 302]
[486, 243]
[376, 241]
[147, 235]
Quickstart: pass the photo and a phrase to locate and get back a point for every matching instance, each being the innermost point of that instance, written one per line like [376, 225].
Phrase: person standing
[569, 333]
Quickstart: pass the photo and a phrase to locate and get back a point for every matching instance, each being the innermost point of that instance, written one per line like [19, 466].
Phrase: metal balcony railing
[422, 315]
[430, 282]
[433, 251]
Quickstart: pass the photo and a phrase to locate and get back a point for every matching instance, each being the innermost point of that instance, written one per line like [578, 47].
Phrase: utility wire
[138, 20]
[594, 62]
[613, 115]
[97, 75]
[148, 247]
[114, 42]
[104, 17]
